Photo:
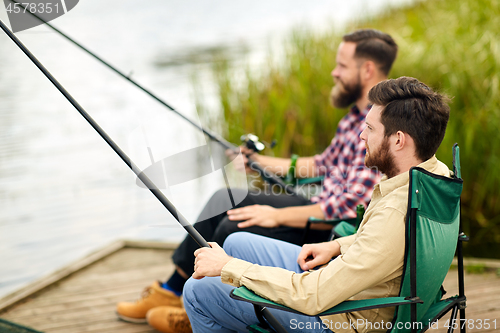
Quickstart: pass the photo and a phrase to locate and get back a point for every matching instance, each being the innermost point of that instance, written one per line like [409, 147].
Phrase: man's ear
[400, 140]
[368, 70]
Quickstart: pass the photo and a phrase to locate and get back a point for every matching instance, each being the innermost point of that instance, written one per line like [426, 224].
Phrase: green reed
[453, 46]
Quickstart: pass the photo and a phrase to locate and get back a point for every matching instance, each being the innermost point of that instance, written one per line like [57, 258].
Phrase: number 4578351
[33, 8]
[472, 324]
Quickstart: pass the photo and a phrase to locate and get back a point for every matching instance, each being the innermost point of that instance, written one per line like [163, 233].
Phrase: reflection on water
[63, 192]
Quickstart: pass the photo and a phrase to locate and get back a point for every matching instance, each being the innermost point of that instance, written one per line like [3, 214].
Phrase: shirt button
[230, 280]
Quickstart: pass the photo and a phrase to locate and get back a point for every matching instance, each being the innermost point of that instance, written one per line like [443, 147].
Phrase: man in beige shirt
[404, 129]
[364, 58]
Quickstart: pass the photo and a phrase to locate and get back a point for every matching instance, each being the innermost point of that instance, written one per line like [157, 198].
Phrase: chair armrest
[355, 221]
[311, 180]
[344, 229]
[341, 224]
[246, 295]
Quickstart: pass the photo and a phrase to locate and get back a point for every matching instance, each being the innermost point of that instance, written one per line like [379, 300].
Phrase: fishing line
[142, 176]
[269, 177]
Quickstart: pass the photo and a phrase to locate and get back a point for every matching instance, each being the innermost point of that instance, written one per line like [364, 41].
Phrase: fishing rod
[269, 177]
[141, 175]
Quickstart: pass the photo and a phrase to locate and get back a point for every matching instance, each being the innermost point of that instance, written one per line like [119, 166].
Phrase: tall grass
[453, 46]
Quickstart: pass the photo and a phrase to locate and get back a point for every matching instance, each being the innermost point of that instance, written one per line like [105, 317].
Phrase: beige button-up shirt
[370, 264]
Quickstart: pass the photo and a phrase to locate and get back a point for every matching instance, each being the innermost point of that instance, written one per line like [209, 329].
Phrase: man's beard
[345, 94]
[382, 159]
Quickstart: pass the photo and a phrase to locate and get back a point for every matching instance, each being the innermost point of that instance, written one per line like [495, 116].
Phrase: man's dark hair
[413, 108]
[374, 45]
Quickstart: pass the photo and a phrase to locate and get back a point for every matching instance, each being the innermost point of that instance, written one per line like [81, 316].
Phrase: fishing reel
[252, 142]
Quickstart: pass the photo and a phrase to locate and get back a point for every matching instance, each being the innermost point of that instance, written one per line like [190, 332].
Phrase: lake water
[63, 191]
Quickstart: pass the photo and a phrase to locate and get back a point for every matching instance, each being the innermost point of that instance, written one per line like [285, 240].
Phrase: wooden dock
[82, 297]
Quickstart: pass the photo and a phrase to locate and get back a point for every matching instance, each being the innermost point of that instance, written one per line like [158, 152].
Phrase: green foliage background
[453, 46]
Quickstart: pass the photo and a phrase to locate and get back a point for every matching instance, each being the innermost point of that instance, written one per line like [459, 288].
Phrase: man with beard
[405, 127]
[364, 59]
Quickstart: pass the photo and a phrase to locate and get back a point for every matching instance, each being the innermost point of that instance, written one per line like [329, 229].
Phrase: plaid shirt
[347, 181]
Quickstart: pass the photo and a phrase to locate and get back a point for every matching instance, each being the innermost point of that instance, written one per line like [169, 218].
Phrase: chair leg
[306, 232]
[461, 280]
[462, 317]
[267, 320]
[272, 321]
[259, 311]
[452, 319]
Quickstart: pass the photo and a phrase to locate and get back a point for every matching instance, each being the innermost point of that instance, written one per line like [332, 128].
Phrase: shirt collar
[355, 110]
[386, 186]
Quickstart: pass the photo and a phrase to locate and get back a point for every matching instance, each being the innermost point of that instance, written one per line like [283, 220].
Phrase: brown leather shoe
[152, 297]
[168, 319]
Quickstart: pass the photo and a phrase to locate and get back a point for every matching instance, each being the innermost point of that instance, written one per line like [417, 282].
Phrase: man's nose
[362, 135]
[335, 72]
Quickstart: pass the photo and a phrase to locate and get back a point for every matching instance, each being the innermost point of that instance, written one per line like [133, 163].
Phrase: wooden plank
[76, 290]
[144, 244]
[95, 326]
[71, 305]
[72, 319]
[59, 296]
[78, 265]
[123, 328]
[488, 263]
[43, 283]
[86, 301]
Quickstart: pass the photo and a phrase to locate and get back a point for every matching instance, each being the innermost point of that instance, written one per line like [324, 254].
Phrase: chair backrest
[432, 228]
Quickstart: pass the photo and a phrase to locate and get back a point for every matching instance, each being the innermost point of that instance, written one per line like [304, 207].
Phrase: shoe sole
[132, 320]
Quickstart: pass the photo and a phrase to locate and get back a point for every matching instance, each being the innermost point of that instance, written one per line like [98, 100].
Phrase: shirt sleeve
[348, 186]
[374, 257]
[345, 243]
[324, 161]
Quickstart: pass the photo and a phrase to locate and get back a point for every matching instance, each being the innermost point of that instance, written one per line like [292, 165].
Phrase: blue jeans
[207, 301]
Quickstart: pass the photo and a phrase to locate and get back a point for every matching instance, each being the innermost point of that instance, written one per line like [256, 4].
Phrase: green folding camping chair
[432, 229]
